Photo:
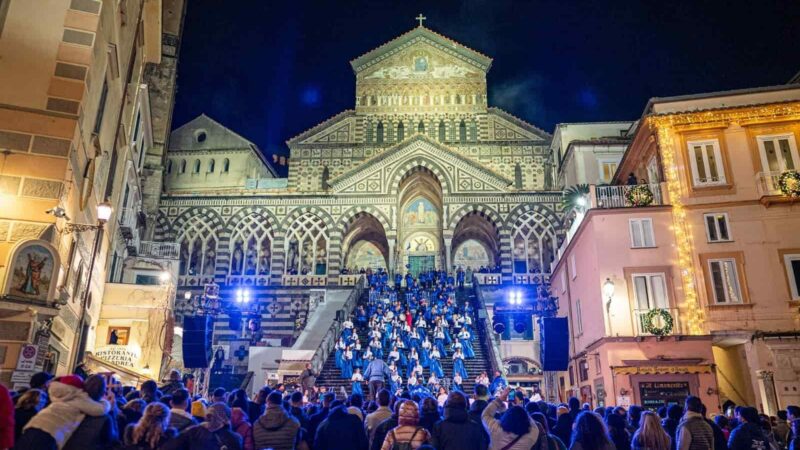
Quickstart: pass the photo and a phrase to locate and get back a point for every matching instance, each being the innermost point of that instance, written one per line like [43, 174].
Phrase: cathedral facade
[422, 173]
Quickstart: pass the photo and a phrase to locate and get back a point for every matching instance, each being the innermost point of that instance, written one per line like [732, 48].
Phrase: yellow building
[729, 161]
[75, 132]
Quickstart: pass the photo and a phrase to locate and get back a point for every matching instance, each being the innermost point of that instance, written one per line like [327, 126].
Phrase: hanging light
[104, 210]
[608, 288]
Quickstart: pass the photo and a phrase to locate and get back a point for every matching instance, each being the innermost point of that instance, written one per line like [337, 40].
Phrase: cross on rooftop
[420, 17]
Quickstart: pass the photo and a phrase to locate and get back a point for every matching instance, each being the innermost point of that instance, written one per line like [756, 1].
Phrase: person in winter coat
[213, 434]
[341, 430]
[276, 429]
[28, 405]
[53, 426]
[590, 433]
[6, 419]
[693, 432]
[429, 413]
[547, 441]
[670, 423]
[95, 432]
[319, 417]
[563, 428]
[618, 431]
[243, 428]
[458, 431]
[748, 435]
[151, 431]
[514, 431]
[384, 427]
[179, 418]
[407, 432]
[174, 383]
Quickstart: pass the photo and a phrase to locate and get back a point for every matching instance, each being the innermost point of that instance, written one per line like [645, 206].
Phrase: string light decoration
[665, 127]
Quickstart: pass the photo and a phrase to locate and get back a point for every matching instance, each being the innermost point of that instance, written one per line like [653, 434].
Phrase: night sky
[273, 69]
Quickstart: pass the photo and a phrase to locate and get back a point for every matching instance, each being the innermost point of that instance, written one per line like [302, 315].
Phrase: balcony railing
[767, 183]
[127, 222]
[617, 196]
[487, 278]
[531, 278]
[159, 250]
[641, 321]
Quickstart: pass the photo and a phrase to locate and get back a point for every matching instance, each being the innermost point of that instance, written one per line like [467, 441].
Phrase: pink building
[716, 270]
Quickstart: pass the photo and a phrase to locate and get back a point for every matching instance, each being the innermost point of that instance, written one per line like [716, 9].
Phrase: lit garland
[665, 127]
[789, 183]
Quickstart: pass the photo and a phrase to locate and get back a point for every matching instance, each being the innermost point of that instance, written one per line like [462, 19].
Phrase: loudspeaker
[197, 331]
[555, 344]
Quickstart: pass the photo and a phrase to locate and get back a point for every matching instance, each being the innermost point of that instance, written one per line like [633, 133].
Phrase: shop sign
[655, 394]
[659, 370]
[121, 355]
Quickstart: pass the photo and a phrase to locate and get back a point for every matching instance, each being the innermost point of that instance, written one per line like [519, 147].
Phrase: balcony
[128, 219]
[640, 321]
[158, 250]
[531, 278]
[606, 197]
[767, 183]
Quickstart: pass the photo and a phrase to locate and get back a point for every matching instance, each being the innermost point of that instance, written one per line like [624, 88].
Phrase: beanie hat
[71, 380]
[409, 413]
[199, 409]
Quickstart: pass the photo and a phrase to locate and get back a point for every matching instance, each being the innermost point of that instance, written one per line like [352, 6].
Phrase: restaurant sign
[121, 355]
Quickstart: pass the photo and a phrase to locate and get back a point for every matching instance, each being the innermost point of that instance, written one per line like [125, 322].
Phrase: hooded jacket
[243, 428]
[341, 430]
[458, 431]
[69, 405]
[747, 436]
[276, 429]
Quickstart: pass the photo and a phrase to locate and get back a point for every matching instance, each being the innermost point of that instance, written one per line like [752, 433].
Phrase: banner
[121, 355]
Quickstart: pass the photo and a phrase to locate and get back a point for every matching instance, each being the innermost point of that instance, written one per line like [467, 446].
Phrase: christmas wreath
[789, 183]
[649, 325]
[639, 195]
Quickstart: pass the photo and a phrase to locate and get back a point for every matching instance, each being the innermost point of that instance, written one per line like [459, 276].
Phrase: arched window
[401, 132]
[183, 166]
[421, 127]
[169, 167]
[198, 244]
[442, 131]
[196, 166]
[517, 176]
[211, 164]
[251, 246]
[534, 243]
[307, 246]
[462, 132]
[379, 135]
[226, 165]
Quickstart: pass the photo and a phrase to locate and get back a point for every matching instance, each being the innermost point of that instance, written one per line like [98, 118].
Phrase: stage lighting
[242, 296]
[498, 324]
[519, 325]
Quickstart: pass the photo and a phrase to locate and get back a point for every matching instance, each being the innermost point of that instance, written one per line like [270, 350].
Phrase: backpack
[404, 445]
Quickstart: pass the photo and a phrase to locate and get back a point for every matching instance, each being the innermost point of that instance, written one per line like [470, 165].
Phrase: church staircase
[330, 376]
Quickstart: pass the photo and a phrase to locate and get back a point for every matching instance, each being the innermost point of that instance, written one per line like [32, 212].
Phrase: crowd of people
[72, 413]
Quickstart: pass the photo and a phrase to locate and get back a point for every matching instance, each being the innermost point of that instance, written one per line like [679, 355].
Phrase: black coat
[747, 436]
[198, 437]
[458, 431]
[315, 421]
[341, 430]
[94, 433]
[381, 431]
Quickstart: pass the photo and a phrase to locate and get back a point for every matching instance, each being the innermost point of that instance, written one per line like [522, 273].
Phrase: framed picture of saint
[32, 271]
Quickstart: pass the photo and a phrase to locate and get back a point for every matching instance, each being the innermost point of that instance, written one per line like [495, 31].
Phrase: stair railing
[332, 335]
[495, 361]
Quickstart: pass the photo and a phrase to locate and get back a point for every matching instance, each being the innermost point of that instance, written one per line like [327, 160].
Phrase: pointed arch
[442, 131]
[307, 243]
[420, 161]
[534, 240]
[379, 133]
[462, 131]
[250, 244]
[401, 131]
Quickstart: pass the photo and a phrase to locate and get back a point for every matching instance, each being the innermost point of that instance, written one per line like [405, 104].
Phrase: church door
[418, 264]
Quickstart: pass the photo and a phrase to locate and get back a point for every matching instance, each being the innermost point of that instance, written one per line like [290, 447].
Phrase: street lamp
[608, 290]
[104, 210]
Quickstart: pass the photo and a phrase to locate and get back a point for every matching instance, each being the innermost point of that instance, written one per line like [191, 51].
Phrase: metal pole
[79, 332]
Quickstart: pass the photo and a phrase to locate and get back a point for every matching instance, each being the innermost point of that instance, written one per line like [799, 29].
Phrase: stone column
[278, 258]
[448, 245]
[391, 267]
